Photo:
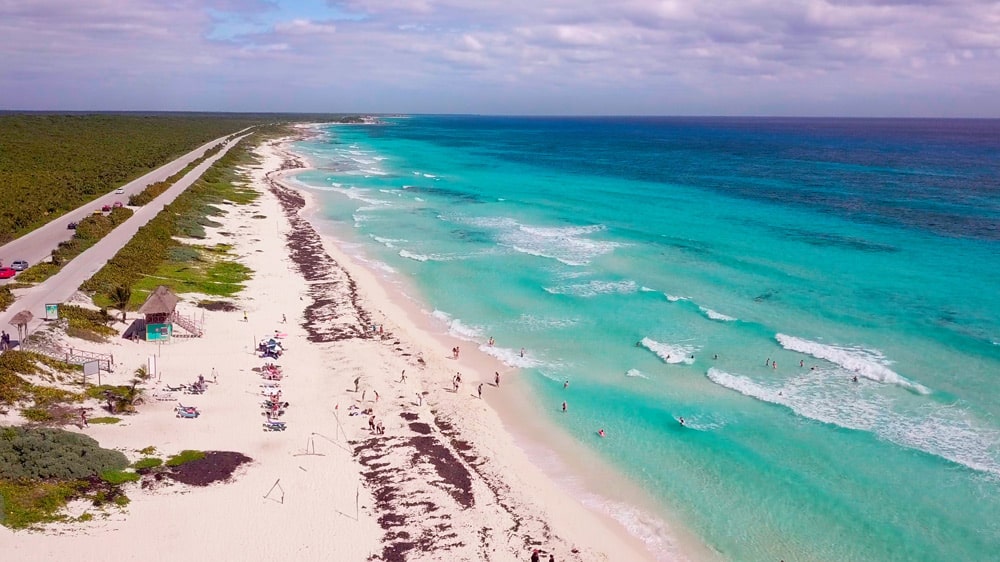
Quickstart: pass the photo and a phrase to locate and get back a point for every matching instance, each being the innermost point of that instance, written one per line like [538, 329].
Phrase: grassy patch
[147, 450]
[210, 273]
[29, 503]
[147, 463]
[6, 298]
[87, 323]
[119, 477]
[104, 420]
[185, 456]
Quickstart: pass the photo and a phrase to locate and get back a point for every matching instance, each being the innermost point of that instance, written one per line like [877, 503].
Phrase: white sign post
[92, 368]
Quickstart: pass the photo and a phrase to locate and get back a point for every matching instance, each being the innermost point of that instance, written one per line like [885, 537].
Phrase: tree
[120, 297]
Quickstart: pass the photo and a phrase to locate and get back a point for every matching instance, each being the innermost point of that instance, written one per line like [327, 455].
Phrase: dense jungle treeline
[51, 164]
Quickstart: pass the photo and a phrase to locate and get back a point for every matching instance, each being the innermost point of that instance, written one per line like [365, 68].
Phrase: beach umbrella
[21, 320]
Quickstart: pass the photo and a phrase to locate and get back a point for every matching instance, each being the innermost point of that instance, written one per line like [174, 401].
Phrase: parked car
[120, 191]
[7, 272]
[71, 226]
[106, 208]
[117, 205]
[19, 265]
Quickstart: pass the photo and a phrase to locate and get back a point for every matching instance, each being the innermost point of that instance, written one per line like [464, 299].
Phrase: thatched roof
[160, 301]
[22, 317]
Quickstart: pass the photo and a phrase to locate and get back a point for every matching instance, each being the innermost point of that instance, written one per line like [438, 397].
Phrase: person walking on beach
[534, 556]
[480, 390]
[245, 319]
[83, 417]
[496, 379]
[490, 343]
[357, 382]
[376, 395]
[371, 423]
[564, 406]
[402, 376]
[522, 352]
[283, 319]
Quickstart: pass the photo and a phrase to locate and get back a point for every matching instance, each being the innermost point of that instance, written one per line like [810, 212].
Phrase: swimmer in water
[681, 420]
[600, 432]
[855, 379]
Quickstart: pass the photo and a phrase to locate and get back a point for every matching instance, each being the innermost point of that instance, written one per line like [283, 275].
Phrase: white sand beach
[446, 480]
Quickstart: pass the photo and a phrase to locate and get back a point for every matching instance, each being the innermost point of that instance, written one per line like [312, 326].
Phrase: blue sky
[638, 57]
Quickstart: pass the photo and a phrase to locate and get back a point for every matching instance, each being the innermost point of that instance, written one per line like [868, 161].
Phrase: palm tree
[120, 298]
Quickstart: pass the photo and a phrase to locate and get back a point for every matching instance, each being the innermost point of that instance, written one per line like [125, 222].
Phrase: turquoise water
[663, 265]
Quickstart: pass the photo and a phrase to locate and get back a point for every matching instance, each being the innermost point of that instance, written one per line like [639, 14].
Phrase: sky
[897, 58]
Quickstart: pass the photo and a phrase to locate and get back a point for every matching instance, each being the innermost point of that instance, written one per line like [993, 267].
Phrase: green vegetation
[87, 323]
[147, 463]
[51, 164]
[6, 298]
[185, 456]
[42, 469]
[147, 450]
[154, 190]
[16, 365]
[154, 256]
[104, 420]
[27, 503]
[121, 399]
[44, 453]
[119, 477]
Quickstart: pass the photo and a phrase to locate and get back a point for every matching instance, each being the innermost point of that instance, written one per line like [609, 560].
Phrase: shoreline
[446, 480]
[665, 539]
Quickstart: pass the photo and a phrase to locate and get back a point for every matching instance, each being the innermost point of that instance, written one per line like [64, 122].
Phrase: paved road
[37, 245]
[61, 286]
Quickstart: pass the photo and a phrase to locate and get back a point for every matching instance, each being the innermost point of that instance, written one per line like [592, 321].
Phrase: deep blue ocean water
[738, 273]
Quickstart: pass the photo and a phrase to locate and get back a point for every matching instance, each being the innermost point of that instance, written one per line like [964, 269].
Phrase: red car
[7, 273]
[106, 208]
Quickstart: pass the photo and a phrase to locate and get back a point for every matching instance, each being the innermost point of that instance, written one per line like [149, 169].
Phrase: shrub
[44, 453]
[185, 456]
[6, 298]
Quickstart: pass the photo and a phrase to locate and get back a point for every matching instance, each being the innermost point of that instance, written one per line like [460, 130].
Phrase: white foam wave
[868, 363]
[646, 289]
[510, 357]
[425, 257]
[594, 288]
[457, 328]
[635, 373]
[671, 353]
[388, 242]
[410, 255]
[569, 245]
[360, 194]
[673, 298]
[713, 315]
[536, 324]
[941, 430]
[652, 531]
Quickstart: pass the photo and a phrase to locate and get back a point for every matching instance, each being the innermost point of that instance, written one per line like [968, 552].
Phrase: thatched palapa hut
[159, 306]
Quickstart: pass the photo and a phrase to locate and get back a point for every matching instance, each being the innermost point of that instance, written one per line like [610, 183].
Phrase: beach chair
[188, 414]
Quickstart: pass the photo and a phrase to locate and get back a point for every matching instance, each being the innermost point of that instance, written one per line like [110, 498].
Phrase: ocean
[816, 298]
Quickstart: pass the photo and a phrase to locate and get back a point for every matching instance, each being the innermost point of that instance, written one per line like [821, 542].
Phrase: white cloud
[663, 56]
